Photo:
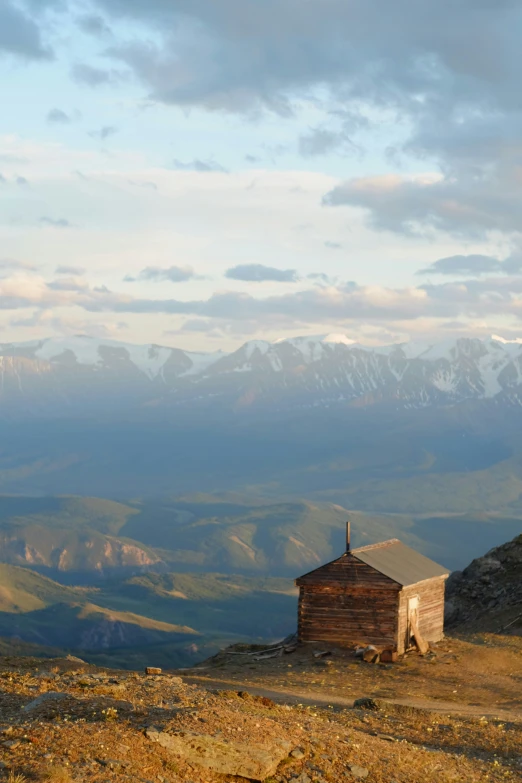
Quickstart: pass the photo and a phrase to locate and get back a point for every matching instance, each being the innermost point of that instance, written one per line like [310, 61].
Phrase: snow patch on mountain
[149, 359]
[304, 371]
[90, 351]
[201, 361]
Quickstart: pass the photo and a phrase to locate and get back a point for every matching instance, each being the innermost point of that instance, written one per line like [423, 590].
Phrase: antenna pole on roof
[348, 531]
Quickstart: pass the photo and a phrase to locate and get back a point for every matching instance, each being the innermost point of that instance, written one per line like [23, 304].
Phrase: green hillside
[65, 512]
[22, 590]
[233, 538]
[68, 534]
[176, 615]
[89, 540]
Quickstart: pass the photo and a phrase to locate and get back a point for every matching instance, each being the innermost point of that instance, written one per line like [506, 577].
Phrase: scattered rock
[53, 696]
[366, 703]
[302, 778]
[298, 754]
[74, 659]
[489, 585]
[152, 670]
[231, 758]
[11, 744]
[358, 772]
[112, 763]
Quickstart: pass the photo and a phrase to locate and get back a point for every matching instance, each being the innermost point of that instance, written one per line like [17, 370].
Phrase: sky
[199, 173]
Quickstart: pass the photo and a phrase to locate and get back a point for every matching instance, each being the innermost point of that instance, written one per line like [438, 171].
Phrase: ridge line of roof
[381, 544]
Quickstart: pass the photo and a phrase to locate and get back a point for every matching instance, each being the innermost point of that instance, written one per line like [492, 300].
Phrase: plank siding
[430, 611]
[348, 602]
[345, 570]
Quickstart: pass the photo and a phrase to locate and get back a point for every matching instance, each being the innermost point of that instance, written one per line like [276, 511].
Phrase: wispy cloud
[70, 269]
[474, 266]
[58, 117]
[90, 76]
[172, 274]
[55, 222]
[104, 132]
[333, 245]
[198, 165]
[259, 273]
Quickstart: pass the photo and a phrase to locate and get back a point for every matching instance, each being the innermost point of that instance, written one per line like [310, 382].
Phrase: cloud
[322, 279]
[364, 307]
[143, 184]
[258, 273]
[44, 319]
[173, 274]
[93, 24]
[7, 157]
[333, 245]
[334, 304]
[90, 76]
[20, 35]
[323, 141]
[441, 77]
[11, 263]
[70, 269]
[198, 165]
[474, 265]
[198, 325]
[465, 207]
[59, 117]
[55, 222]
[68, 284]
[104, 132]
[235, 55]
[25, 290]
[21, 181]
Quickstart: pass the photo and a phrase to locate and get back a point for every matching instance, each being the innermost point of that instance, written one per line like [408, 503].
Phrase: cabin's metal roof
[399, 562]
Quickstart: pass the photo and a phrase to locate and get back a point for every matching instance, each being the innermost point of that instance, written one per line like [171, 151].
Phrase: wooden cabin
[384, 594]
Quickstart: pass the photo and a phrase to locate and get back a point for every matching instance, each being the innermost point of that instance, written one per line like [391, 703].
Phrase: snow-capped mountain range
[84, 374]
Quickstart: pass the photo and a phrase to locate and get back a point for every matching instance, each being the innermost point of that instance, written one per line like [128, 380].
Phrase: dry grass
[56, 773]
[16, 777]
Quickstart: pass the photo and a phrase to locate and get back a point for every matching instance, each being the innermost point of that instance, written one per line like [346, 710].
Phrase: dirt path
[322, 699]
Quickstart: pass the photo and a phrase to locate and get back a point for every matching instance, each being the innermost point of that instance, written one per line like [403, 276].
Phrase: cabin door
[413, 616]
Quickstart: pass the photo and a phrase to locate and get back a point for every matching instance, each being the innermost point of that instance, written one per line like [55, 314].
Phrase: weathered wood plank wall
[430, 611]
[349, 603]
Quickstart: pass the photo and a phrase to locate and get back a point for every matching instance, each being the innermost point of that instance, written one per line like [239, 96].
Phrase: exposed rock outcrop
[488, 593]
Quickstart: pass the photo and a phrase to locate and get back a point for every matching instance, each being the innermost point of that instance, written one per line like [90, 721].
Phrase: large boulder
[256, 762]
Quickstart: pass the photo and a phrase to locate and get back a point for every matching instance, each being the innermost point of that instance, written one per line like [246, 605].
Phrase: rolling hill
[169, 617]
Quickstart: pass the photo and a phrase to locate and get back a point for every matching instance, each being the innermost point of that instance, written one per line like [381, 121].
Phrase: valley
[156, 505]
[169, 582]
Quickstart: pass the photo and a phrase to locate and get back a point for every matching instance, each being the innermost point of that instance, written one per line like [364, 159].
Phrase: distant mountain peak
[85, 373]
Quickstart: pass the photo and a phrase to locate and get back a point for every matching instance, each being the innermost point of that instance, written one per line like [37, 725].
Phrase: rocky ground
[487, 595]
[63, 721]
[476, 674]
